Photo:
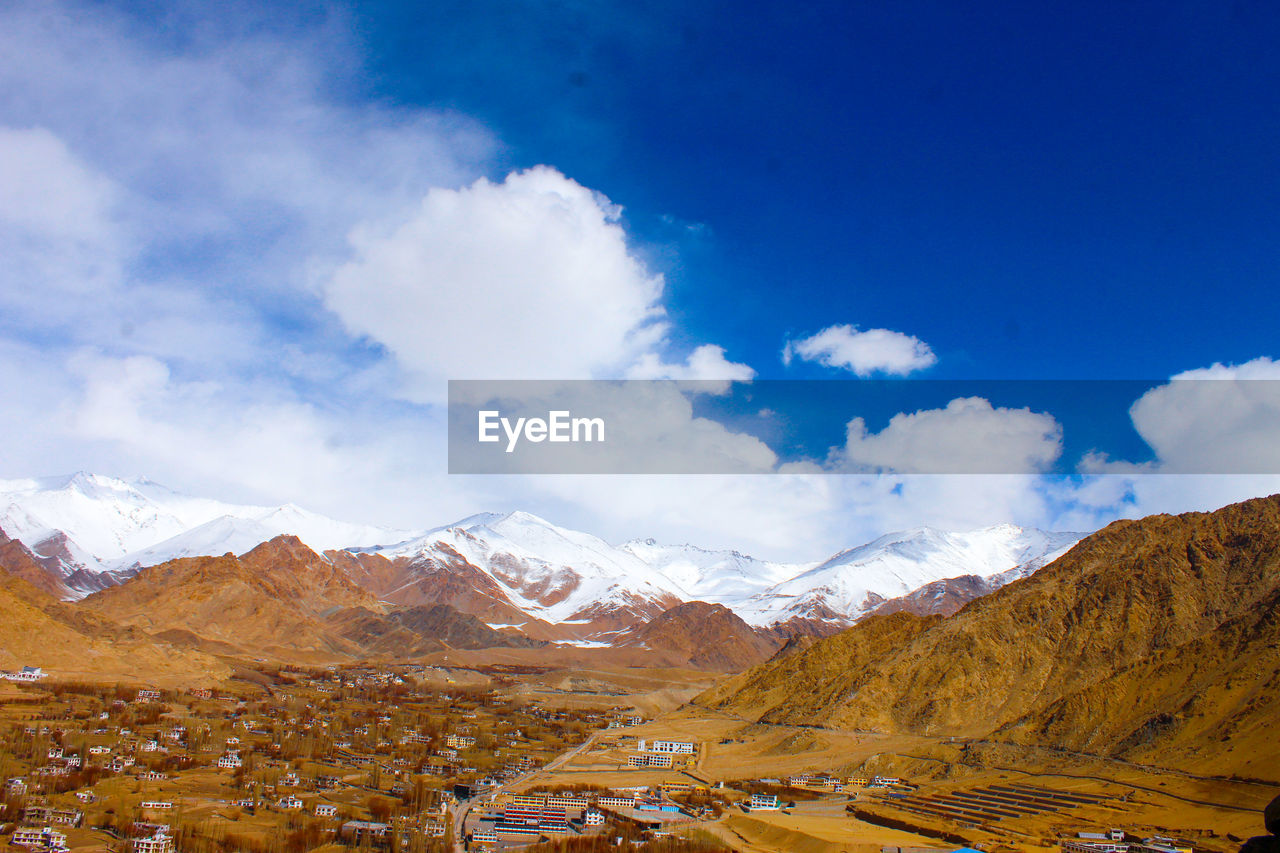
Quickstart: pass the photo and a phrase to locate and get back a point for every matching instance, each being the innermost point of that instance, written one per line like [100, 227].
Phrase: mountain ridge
[509, 569]
[1102, 651]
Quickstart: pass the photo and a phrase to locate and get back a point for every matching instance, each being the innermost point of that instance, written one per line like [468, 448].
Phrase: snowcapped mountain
[93, 531]
[856, 581]
[719, 577]
[564, 577]
[88, 524]
[548, 573]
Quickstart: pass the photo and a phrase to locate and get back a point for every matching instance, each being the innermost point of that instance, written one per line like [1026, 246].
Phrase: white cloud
[1223, 419]
[531, 278]
[527, 279]
[864, 353]
[968, 436]
[167, 187]
[57, 235]
[1215, 433]
[195, 201]
[707, 362]
[47, 191]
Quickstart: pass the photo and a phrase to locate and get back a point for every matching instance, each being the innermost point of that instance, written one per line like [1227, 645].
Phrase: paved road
[460, 814]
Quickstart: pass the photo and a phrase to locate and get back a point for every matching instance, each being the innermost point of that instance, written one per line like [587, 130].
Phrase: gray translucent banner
[1181, 426]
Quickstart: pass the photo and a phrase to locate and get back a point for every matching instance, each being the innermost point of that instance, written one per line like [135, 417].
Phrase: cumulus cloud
[530, 278]
[1215, 434]
[969, 435]
[1222, 419]
[863, 353]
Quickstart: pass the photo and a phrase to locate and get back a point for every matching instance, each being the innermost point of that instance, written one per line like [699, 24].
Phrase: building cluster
[364, 753]
[529, 816]
[1118, 841]
[663, 754]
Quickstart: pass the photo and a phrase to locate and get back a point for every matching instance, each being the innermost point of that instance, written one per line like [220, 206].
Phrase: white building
[616, 802]
[27, 673]
[676, 747]
[326, 810]
[593, 817]
[230, 762]
[44, 838]
[161, 842]
[568, 803]
[764, 802]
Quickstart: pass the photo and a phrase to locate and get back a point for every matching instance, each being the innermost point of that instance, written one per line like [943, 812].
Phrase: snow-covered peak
[113, 523]
[550, 572]
[854, 581]
[524, 535]
[721, 577]
[225, 534]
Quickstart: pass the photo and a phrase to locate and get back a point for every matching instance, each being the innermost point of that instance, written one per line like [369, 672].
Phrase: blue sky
[246, 246]
[1037, 190]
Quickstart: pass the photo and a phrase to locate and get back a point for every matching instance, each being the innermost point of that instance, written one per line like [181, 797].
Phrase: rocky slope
[1152, 640]
[524, 569]
[70, 642]
[403, 633]
[702, 636]
[283, 600]
[18, 560]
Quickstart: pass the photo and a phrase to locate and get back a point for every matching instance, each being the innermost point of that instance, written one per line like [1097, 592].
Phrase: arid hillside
[39, 630]
[283, 601]
[1156, 640]
[702, 636]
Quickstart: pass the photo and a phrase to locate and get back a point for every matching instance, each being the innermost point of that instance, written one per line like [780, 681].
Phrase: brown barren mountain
[283, 600]
[269, 601]
[1154, 640]
[71, 642]
[942, 597]
[449, 578]
[410, 632]
[18, 560]
[701, 636]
